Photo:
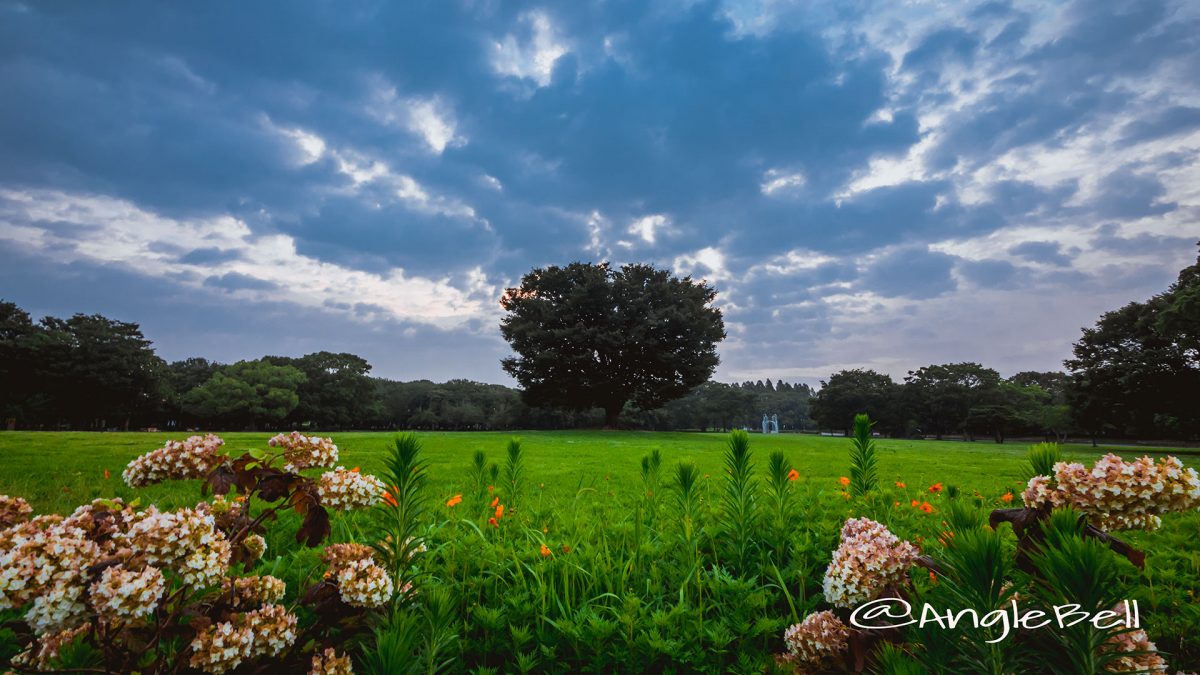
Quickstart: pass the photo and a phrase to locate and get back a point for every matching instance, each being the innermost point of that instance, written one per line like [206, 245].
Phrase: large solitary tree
[587, 335]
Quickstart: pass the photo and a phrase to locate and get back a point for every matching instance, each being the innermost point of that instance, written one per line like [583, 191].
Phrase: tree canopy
[586, 335]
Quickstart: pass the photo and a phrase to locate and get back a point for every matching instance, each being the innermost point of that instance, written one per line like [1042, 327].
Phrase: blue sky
[868, 184]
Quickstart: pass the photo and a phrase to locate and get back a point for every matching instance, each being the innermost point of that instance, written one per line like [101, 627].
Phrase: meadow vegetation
[603, 551]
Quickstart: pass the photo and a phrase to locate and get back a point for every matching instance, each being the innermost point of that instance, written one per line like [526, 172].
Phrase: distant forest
[1136, 374]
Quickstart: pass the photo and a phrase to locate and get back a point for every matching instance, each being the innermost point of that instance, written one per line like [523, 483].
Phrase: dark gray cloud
[910, 272]
[1041, 252]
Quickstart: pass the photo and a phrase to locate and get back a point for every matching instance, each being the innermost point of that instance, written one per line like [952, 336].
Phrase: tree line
[1134, 374]
[91, 372]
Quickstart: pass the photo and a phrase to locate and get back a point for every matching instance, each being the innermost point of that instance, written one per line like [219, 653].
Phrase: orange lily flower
[926, 507]
[453, 501]
[793, 475]
[493, 522]
[1007, 497]
[354, 470]
[844, 481]
[915, 503]
[900, 485]
[387, 497]
[499, 511]
[106, 474]
[495, 502]
[936, 487]
[932, 576]
[545, 551]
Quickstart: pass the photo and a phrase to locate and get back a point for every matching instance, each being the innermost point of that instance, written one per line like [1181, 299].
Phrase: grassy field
[57, 471]
[575, 478]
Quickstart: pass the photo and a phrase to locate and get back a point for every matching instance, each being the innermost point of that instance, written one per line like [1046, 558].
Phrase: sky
[872, 184]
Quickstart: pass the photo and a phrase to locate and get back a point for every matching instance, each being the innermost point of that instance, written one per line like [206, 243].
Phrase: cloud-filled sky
[867, 183]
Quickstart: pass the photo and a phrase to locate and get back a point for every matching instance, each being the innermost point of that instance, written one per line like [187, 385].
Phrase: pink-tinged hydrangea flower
[329, 662]
[221, 647]
[124, 594]
[344, 489]
[225, 645]
[42, 653]
[1118, 495]
[43, 564]
[185, 541]
[362, 583]
[869, 559]
[816, 641]
[305, 452]
[1127, 643]
[254, 591]
[255, 545]
[193, 458]
[274, 630]
[13, 510]
[337, 555]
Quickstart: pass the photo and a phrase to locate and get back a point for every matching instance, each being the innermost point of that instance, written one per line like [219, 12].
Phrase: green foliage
[1073, 569]
[739, 501]
[864, 473]
[976, 573]
[399, 521]
[514, 472]
[251, 392]
[850, 392]
[1040, 460]
[615, 595]
[586, 335]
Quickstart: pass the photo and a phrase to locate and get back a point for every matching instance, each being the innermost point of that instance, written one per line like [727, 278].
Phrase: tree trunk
[612, 414]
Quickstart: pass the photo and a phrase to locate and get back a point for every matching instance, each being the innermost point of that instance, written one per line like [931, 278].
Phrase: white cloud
[117, 232]
[775, 180]
[430, 118]
[366, 171]
[708, 263]
[649, 227]
[534, 59]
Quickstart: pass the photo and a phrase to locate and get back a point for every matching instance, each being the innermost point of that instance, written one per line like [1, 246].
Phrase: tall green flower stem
[401, 515]
[864, 475]
[739, 507]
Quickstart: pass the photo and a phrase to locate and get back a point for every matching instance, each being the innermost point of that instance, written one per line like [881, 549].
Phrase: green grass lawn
[57, 471]
[584, 490]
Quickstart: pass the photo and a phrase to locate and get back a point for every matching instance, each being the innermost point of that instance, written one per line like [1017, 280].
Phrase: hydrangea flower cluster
[360, 581]
[45, 562]
[41, 654]
[869, 559]
[1139, 654]
[186, 541]
[193, 458]
[266, 631]
[255, 545]
[816, 640]
[345, 489]
[254, 591]
[329, 662]
[125, 594]
[305, 452]
[13, 510]
[1118, 495]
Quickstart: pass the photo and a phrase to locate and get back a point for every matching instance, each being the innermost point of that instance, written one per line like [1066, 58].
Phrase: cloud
[264, 267]
[1049, 252]
[909, 272]
[647, 228]
[533, 58]
[829, 166]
